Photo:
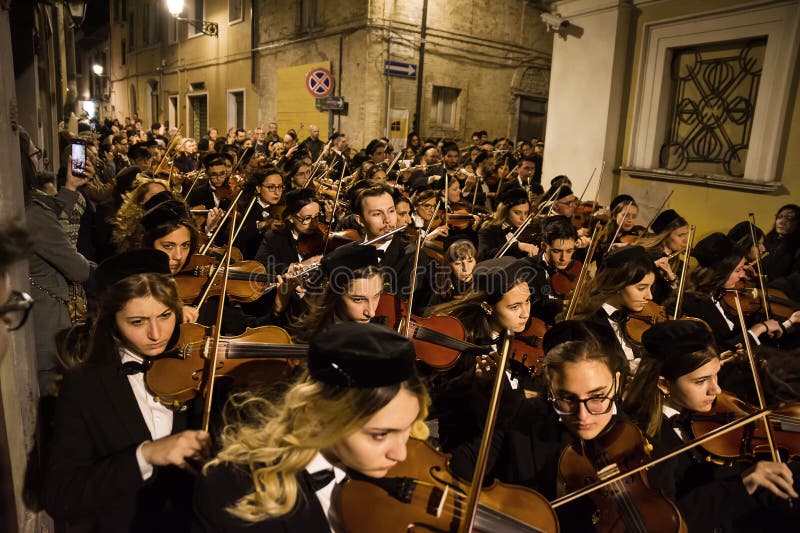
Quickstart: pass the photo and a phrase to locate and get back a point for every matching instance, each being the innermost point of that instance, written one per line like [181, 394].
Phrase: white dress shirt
[157, 417]
[626, 348]
[317, 464]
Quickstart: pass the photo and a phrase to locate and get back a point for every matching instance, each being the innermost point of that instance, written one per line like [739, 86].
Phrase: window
[172, 112]
[236, 108]
[123, 52]
[443, 106]
[145, 24]
[172, 29]
[714, 95]
[131, 32]
[194, 11]
[133, 105]
[235, 11]
[198, 115]
[308, 15]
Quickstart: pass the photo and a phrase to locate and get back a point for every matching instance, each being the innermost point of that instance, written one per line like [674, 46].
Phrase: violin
[751, 440]
[247, 280]
[438, 341]
[256, 357]
[780, 305]
[526, 347]
[313, 243]
[424, 495]
[432, 248]
[563, 281]
[638, 323]
[219, 251]
[583, 216]
[629, 505]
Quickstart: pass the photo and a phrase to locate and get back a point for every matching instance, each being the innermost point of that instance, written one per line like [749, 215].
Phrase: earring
[665, 395]
[487, 309]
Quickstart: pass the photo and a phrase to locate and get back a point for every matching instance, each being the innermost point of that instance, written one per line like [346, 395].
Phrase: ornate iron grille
[715, 91]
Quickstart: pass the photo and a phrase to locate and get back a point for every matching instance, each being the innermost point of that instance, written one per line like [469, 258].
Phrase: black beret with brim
[119, 267]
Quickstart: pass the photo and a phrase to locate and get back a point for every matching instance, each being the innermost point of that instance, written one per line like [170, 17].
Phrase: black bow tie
[682, 422]
[132, 368]
[321, 479]
[381, 253]
[619, 316]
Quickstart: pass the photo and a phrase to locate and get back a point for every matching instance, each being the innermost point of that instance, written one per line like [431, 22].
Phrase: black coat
[222, 485]
[202, 195]
[277, 251]
[491, 238]
[93, 478]
[250, 237]
[703, 308]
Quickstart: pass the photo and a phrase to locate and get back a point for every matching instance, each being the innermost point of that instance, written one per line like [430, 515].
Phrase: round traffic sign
[319, 82]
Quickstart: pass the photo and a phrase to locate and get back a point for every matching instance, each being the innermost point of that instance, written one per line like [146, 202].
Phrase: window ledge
[720, 182]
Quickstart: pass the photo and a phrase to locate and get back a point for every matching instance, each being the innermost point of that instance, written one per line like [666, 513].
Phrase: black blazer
[250, 237]
[222, 485]
[491, 239]
[704, 308]
[201, 195]
[93, 478]
[277, 251]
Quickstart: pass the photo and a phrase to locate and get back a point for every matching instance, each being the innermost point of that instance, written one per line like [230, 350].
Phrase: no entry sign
[319, 82]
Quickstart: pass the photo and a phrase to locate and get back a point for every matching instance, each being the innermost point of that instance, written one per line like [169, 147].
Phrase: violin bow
[765, 301]
[210, 367]
[333, 213]
[471, 507]
[619, 226]
[727, 428]
[194, 182]
[551, 202]
[591, 177]
[502, 251]
[231, 208]
[579, 284]
[394, 162]
[405, 325]
[684, 272]
[658, 212]
[756, 379]
[166, 152]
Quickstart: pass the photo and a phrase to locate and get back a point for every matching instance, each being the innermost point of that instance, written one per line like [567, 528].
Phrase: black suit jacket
[202, 195]
[704, 308]
[277, 251]
[93, 478]
[222, 485]
[491, 239]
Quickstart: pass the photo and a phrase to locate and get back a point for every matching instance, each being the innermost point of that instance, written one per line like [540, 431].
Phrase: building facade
[165, 69]
[694, 99]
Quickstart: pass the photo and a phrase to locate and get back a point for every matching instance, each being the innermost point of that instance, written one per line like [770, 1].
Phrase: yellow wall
[714, 209]
[296, 107]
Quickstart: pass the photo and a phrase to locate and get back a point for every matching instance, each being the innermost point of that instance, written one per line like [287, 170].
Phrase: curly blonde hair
[278, 440]
[130, 213]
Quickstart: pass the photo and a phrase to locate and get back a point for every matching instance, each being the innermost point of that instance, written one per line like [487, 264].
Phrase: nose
[397, 452]
[525, 310]
[369, 310]
[153, 330]
[715, 388]
[648, 294]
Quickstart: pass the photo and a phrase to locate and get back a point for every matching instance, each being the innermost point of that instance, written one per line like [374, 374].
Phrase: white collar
[609, 309]
[668, 411]
[128, 356]
[319, 463]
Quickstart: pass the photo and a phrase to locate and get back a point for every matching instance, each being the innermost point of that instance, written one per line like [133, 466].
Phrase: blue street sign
[398, 68]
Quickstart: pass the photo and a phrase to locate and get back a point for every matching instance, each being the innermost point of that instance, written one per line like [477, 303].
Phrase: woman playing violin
[455, 280]
[354, 409]
[671, 234]
[623, 212]
[266, 185]
[511, 212]
[622, 287]
[678, 377]
[741, 236]
[783, 245]
[349, 292]
[132, 208]
[117, 453]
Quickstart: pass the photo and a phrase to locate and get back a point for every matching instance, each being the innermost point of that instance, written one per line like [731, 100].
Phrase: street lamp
[77, 10]
[98, 69]
[175, 8]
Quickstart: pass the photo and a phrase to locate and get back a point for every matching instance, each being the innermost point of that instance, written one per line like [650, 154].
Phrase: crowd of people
[357, 299]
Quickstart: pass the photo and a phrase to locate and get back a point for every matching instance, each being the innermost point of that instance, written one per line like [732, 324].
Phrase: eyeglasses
[307, 219]
[426, 206]
[786, 216]
[16, 309]
[596, 405]
[273, 188]
[570, 202]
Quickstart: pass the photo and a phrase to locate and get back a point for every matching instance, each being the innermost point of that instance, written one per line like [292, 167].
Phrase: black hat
[119, 267]
[496, 277]
[211, 157]
[740, 234]
[621, 198]
[355, 355]
[340, 264]
[126, 177]
[163, 196]
[167, 210]
[676, 337]
[297, 199]
[714, 249]
[513, 196]
[667, 219]
[563, 192]
[576, 330]
[626, 255]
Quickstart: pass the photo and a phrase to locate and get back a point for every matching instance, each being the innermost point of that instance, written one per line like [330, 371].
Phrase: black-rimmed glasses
[16, 310]
[595, 405]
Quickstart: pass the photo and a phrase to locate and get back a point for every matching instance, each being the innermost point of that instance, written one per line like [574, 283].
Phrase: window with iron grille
[714, 93]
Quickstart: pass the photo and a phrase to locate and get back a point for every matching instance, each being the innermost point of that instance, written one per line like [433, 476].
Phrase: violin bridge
[608, 471]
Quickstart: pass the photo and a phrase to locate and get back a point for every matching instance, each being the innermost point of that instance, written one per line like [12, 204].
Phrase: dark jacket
[491, 238]
[278, 250]
[93, 477]
[222, 485]
[202, 195]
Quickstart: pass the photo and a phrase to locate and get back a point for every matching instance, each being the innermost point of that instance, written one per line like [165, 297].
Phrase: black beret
[536, 188]
[216, 158]
[675, 338]
[563, 192]
[356, 355]
[297, 199]
[667, 219]
[621, 198]
[513, 196]
[626, 255]
[156, 199]
[496, 277]
[126, 177]
[168, 210]
[340, 264]
[576, 330]
[740, 234]
[119, 267]
[714, 249]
